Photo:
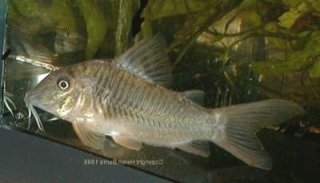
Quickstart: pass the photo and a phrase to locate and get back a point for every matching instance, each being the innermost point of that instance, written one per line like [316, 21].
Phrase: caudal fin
[235, 128]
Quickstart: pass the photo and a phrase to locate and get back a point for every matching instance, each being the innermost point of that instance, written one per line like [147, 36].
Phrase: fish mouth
[32, 111]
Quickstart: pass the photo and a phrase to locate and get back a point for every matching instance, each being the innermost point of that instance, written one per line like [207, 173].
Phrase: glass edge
[3, 13]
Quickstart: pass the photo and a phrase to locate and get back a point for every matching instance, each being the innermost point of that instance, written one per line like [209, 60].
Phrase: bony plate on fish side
[128, 100]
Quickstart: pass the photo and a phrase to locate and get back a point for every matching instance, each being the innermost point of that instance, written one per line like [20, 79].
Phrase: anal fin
[127, 142]
[197, 147]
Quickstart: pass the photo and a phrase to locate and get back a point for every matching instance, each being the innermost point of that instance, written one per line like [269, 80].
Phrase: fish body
[114, 101]
[126, 99]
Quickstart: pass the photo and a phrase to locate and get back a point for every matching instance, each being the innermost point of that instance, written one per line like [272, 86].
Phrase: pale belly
[166, 135]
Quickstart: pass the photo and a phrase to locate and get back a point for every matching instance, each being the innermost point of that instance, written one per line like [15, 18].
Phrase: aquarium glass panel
[188, 90]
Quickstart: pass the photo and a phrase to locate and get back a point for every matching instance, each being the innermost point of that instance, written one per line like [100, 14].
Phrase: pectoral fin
[126, 142]
[89, 138]
[197, 147]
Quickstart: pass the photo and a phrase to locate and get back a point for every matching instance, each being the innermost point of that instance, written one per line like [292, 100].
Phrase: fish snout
[29, 96]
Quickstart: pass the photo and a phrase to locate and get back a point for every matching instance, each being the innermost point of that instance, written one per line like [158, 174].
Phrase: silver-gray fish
[126, 99]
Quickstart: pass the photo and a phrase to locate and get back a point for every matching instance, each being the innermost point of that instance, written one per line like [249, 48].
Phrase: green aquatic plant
[96, 25]
[305, 56]
[272, 38]
[126, 12]
[27, 8]
[58, 15]
[168, 8]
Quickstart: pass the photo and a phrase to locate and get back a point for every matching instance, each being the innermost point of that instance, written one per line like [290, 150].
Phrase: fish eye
[63, 83]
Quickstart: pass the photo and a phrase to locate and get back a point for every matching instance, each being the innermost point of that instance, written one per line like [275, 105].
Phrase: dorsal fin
[148, 59]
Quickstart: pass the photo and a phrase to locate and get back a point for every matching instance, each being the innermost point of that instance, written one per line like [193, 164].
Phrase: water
[236, 52]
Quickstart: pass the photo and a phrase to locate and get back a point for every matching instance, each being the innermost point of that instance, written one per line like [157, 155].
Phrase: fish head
[57, 93]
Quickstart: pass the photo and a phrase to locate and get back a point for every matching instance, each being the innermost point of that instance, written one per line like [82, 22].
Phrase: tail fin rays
[235, 130]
